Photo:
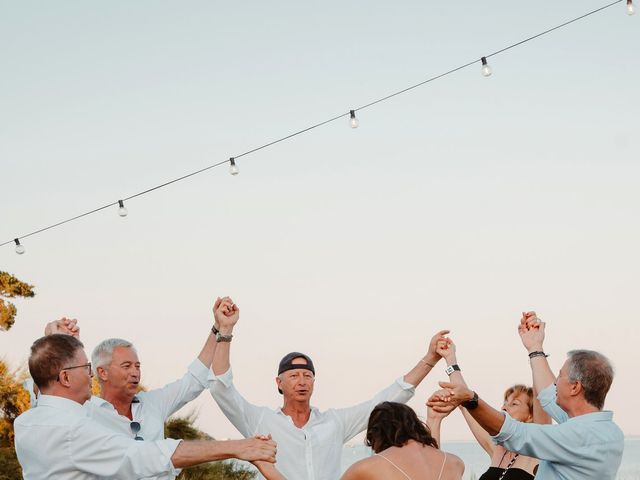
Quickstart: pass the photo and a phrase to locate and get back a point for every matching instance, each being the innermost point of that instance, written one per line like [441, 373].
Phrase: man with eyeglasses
[57, 440]
[120, 406]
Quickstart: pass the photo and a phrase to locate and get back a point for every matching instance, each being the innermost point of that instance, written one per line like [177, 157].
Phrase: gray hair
[594, 371]
[103, 353]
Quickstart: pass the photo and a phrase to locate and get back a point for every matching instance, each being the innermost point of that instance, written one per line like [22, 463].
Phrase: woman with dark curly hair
[404, 449]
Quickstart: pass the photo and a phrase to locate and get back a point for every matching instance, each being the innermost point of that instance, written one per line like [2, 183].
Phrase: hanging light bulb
[486, 69]
[19, 248]
[630, 8]
[122, 211]
[353, 121]
[233, 168]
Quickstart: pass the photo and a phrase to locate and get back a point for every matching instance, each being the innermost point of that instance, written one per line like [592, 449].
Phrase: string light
[353, 121]
[486, 69]
[122, 211]
[19, 248]
[233, 168]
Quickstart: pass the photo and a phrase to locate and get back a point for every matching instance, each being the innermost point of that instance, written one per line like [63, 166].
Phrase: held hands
[451, 395]
[436, 416]
[433, 356]
[447, 350]
[225, 314]
[260, 448]
[531, 331]
[65, 326]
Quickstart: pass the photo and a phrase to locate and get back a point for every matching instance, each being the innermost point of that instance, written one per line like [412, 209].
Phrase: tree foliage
[11, 287]
[14, 400]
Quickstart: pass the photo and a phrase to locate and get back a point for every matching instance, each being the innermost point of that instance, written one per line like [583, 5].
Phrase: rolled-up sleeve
[545, 442]
[243, 415]
[173, 396]
[354, 419]
[547, 399]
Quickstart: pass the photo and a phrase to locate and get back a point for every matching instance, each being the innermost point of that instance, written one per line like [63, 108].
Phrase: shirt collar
[56, 401]
[603, 416]
[314, 412]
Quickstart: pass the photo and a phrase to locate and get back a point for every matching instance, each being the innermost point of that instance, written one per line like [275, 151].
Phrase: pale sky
[456, 205]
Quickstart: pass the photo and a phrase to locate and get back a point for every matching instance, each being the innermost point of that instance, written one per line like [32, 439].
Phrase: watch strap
[452, 368]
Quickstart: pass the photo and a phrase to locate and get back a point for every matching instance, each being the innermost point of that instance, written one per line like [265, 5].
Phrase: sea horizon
[476, 460]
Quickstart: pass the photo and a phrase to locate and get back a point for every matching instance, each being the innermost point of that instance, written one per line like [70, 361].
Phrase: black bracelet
[215, 330]
[537, 354]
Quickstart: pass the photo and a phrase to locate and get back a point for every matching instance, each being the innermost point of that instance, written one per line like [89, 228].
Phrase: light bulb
[122, 211]
[630, 8]
[19, 248]
[233, 168]
[353, 121]
[486, 69]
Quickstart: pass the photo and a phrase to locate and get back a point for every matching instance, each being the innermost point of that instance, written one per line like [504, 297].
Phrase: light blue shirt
[583, 447]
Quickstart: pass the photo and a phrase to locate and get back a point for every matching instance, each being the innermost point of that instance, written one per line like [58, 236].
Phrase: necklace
[509, 465]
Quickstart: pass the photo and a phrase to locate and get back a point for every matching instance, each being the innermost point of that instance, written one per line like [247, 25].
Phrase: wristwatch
[471, 404]
[223, 338]
[452, 368]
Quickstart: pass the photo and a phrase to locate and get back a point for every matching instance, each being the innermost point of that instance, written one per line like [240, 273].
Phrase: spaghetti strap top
[405, 474]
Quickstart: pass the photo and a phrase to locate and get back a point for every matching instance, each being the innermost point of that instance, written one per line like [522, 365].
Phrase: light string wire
[317, 125]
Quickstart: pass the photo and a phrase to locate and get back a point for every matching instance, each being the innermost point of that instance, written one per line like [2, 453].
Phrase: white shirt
[151, 409]
[312, 452]
[57, 440]
[585, 446]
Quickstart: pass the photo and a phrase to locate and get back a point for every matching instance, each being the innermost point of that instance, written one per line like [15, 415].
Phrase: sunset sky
[456, 205]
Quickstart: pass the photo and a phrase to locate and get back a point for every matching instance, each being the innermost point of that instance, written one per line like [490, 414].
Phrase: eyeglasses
[135, 428]
[86, 365]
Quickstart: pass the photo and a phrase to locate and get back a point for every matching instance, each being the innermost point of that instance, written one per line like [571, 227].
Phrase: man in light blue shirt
[585, 444]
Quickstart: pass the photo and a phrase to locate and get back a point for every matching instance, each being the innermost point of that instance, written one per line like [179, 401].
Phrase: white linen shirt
[151, 409]
[58, 441]
[585, 446]
[312, 452]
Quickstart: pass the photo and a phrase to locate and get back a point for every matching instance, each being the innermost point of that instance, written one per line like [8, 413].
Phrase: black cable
[317, 125]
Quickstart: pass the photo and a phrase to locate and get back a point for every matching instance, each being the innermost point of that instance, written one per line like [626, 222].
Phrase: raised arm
[210, 344]
[531, 331]
[427, 362]
[227, 315]
[447, 349]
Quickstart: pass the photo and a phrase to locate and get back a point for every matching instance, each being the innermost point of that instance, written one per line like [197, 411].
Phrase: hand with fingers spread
[531, 331]
[65, 326]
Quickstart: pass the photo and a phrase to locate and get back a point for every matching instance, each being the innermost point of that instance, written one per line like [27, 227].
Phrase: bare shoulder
[362, 469]
[455, 465]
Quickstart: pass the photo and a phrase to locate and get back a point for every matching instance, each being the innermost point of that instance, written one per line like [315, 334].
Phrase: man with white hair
[121, 407]
[58, 441]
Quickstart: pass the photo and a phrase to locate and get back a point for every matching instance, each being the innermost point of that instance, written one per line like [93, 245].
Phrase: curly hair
[393, 424]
